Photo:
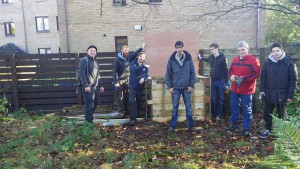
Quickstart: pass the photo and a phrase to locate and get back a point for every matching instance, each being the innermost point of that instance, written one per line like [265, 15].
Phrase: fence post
[14, 82]
[200, 65]
[78, 88]
[262, 55]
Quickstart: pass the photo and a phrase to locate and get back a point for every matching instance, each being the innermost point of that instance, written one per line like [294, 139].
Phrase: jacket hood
[120, 56]
[272, 58]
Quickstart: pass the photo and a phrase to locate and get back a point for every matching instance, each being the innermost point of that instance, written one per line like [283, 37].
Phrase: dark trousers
[122, 98]
[268, 110]
[217, 97]
[91, 101]
[135, 102]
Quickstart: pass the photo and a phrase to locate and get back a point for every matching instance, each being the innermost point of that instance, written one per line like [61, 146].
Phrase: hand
[289, 100]
[143, 45]
[261, 95]
[117, 85]
[232, 78]
[199, 56]
[189, 89]
[171, 90]
[87, 89]
[101, 89]
[147, 66]
[141, 81]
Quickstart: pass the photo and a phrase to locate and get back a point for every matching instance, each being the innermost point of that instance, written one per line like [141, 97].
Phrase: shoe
[246, 133]
[132, 123]
[193, 129]
[265, 134]
[232, 127]
[171, 130]
[218, 118]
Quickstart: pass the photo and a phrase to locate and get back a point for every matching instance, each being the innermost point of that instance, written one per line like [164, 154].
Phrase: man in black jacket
[121, 77]
[90, 80]
[277, 85]
[219, 79]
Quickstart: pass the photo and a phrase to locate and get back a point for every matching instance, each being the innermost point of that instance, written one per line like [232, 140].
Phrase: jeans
[188, 107]
[122, 98]
[91, 101]
[246, 101]
[268, 110]
[217, 107]
[135, 101]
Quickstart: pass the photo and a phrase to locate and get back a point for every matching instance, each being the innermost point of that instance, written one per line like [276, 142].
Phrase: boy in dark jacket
[277, 85]
[138, 76]
[219, 79]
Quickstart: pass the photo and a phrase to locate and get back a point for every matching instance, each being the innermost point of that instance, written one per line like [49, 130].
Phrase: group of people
[278, 80]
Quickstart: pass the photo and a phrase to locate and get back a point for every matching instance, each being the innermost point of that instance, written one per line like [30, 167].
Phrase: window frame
[155, 2]
[46, 51]
[119, 2]
[9, 28]
[43, 24]
[6, 1]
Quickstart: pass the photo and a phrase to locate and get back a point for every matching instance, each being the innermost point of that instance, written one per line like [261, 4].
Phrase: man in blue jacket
[180, 79]
[277, 85]
[138, 76]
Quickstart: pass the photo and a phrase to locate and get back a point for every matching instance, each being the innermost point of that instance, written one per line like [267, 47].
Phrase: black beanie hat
[179, 43]
[92, 46]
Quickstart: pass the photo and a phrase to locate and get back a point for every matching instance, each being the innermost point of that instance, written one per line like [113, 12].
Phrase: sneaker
[171, 129]
[193, 129]
[246, 133]
[265, 134]
[218, 118]
[232, 127]
[132, 123]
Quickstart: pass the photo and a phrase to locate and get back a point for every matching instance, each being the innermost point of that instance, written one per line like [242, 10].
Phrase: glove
[199, 56]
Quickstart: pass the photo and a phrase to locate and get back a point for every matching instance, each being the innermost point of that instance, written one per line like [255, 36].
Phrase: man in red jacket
[243, 72]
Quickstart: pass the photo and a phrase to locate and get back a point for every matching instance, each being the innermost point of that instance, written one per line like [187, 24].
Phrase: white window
[9, 28]
[45, 50]
[42, 24]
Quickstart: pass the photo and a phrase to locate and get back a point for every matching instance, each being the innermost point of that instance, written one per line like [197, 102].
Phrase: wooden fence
[47, 82]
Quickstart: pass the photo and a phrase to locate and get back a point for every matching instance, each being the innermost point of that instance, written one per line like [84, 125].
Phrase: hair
[214, 45]
[242, 44]
[274, 45]
[179, 43]
[124, 46]
[92, 46]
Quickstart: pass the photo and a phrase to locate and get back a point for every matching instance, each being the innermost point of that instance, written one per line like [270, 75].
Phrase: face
[142, 58]
[243, 51]
[213, 50]
[277, 52]
[179, 50]
[125, 52]
[92, 52]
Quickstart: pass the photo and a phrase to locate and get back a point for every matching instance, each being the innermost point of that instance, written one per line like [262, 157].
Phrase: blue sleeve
[169, 75]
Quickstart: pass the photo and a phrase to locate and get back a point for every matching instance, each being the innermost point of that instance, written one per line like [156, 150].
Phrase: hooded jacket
[180, 77]
[137, 72]
[278, 79]
[249, 69]
[218, 67]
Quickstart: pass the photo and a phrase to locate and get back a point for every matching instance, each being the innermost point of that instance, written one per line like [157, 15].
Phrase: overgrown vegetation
[48, 141]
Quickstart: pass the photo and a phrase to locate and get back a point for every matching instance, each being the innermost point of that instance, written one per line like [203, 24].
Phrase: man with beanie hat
[180, 79]
[90, 80]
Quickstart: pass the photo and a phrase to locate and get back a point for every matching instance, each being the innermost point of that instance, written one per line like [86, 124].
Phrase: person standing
[180, 79]
[277, 85]
[244, 71]
[90, 80]
[138, 76]
[219, 79]
[121, 72]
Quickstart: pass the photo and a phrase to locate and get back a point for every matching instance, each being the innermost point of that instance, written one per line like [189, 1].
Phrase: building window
[155, 1]
[9, 28]
[119, 2]
[42, 24]
[119, 42]
[45, 50]
[57, 25]
[6, 1]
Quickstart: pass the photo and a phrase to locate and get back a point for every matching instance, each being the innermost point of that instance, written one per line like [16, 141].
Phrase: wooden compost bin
[161, 101]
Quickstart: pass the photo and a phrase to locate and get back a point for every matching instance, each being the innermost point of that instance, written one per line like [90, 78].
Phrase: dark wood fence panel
[47, 82]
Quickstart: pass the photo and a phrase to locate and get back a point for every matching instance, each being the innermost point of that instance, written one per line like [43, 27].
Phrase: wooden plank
[23, 89]
[180, 118]
[168, 100]
[41, 95]
[170, 106]
[46, 63]
[46, 75]
[167, 93]
[46, 69]
[168, 113]
[48, 101]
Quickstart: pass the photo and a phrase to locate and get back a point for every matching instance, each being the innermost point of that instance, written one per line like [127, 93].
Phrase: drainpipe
[66, 21]
[257, 25]
[24, 21]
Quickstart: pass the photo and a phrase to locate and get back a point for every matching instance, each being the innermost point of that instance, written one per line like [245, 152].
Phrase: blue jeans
[246, 102]
[91, 101]
[217, 107]
[188, 107]
[135, 101]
